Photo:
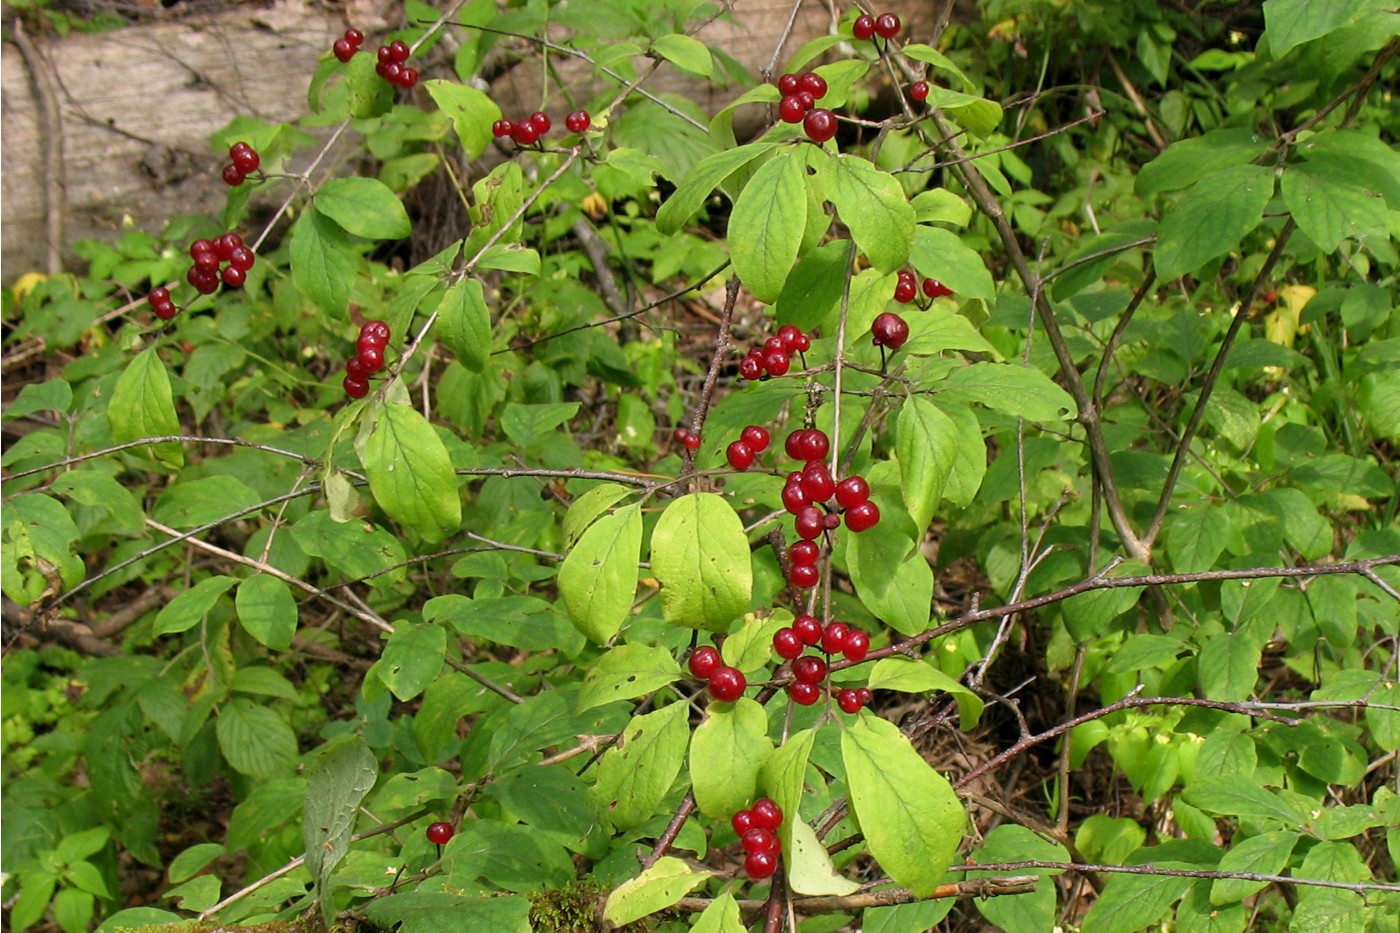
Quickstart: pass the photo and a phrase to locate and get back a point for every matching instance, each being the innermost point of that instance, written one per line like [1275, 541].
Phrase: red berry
[788, 334]
[809, 669]
[865, 696]
[809, 522]
[742, 821]
[375, 333]
[776, 362]
[790, 110]
[234, 277]
[936, 289]
[692, 441]
[578, 121]
[384, 55]
[863, 517]
[849, 701]
[408, 77]
[355, 369]
[905, 290]
[792, 445]
[756, 437]
[372, 359]
[802, 343]
[541, 121]
[201, 246]
[887, 25]
[727, 684]
[808, 629]
[681, 433]
[246, 158]
[918, 90]
[232, 176]
[819, 125]
[834, 637]
[751, 368]
[525, 133]
[863, 27]
[441, 833]
[740, 455]
[890, 330]
[813, 84]
[241, 258]
[356, 388]
[804, 553]
[166, 310]
[794, 497]
[205, 281]
[226, 244]
[832, 521]
[805, 98]
[817, 482]
[390, 72]
[804, 577]
[207, 261]
[788, 84]
[502, 128]
[857, 645]
[766, 814]
[343, 50]
[761, 865]
[815, 445]
[804, 694]
[398, 49]
[786, 644]
[354, 37]
[759, 839]
[852, 491]
[158, 296]
[704, 661]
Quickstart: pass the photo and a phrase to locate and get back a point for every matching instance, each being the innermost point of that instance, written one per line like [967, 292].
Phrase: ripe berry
[201, 246]
[918, 90]
[857, 645]
[408, 78]
[207, 261]
[354, 37]
[788, 84]
[789, 334]
[834, 637]
[234, 277]
[819, 125]
[226, 244]
[757, 437]
[205, 281]
[804, 694]
[245, 157]
[802, 343]
[727, 684]
[372, 359]
[355, 388]
[814, 84]
[832, 521]
[441, 833]
[166, 311]
[692, 441]
[786, 644]
[241, 258]
[343, 50]
[863, 517]
[905, 289]
[803, 576]
[578, 121]
[865, 696]
[790, 110]
[160, 295]
[390, 71]
[525, 133]
[817, 482]
[794, 498]
[232, 176]
[863, 27]
[375, 333]
[776, 362]
[502, 128]
[809, 669]
[936, 289]
[740, 455]
[804, 553]
[541, 121]
[849, 701]
[384, 55]
[761, 865]
[808, 629]
[887, 25]
[704, 661]
[809, 522]
[815, 445]
[766, 814]
[890, 330]
[742, 821]
[805, 98]
[852, 491]
[759, 839]
[355, 369]
[398, 49]
[751, 368]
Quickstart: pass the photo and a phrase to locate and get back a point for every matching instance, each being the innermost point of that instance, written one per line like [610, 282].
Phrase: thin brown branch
[1356, 887]
[972, 887]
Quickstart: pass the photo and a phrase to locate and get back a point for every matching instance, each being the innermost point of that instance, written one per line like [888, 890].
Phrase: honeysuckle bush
[1133, 593]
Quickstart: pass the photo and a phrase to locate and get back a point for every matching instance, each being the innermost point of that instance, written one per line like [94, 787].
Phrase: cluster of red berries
[886, 26]
[757, 829]
[441, 833]
[391, 65]
[810, 490]
[774, 356]
[243, 161]
[889, 330]
[809, 671]
[726, 683]
[529, 130]
[752, 442]
[346, 47]
[369, 358]
[227, 251]
[798, 105]
[906, 289]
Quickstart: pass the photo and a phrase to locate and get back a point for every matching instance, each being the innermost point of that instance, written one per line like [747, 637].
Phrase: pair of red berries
[726, 683]
[159, 300]
[774, 356]
[210, 255]
[392, 67]
[687, 438]
[369, 358]
[757, 829]
[345, 47]
[752, 441]
[906, 289]
[243, 161]
[886, 26]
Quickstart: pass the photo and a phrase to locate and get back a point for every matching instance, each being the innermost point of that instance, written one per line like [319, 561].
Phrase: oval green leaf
[766, 226]
[364, 207]
[736, 734]
[410, 472]
[701, 557]
[142, 406]
[267, 610]
[657, 888]
[598, 580]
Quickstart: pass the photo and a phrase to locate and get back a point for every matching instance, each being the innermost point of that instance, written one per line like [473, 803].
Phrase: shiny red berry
[525, 133]
[760, 839]
[887, 25]
[786, 644]
[817, 482]
[815, 445]
[502, 128]
[166, 310]
[849, 701]
[355, 369]
[809, 523]
[578, 121]
[905, 290]
[441, 833]
[356, 388]
[761, 865]
[890, 330]
[372, 359]
[788, 334]
[354, 37]
[704, 661]
[541, 121]
[408, 78]
[852, 491]
[158, 296]
[794, 498]
[808, 629]
[863, 517]
[819, 125]
[936, 289]
[776, 362]
[857, 645]
[740, 455]
[790, 110]
[751, 368]
[809, 669]
[727, 684]
[242, 258]
[918, 90]
[804, 553]
[343, 50]
[766, 814]
[398, 50]
[757, 437]
[232, 176]
[375, 333]
[863, 27]
[692, 441]
[742, 821]
[813, 84]
[803, 576]
[245, 157]
[233, 276]
[804, 694]
[788, 84]
[834, 637]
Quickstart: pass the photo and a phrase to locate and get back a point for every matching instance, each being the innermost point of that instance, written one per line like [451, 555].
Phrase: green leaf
[912, 819]
[635, 775]
[184, 611]
[766, 225]
[1015, 390]
[1264, 854]
[255, 740]
[98, 490]
[472, 113]
[510, 257]
[1378, 399]
[464, 323]
[324, 263]
[1144, 652]
[1385, 723]
[900, 598]
[910, 675]
[1330, 210]
[1188, 161]
[1211, 219]
[336, 783]
[941, 254]
[262, 681]
[1130, 903]
[970, 458]
[626, 672]
[54, 395]
[1243, 799]
[784, 776]
[358, 549]
[142, 406]
[809, 866]
[703, 178]
[701, 557]
[1228, 665]
[925, 444]
[736, 734]
[586, 509]
[410, 472]
[939, 329]
[929, 55]
[195, 502]
[873, 207]
[363, 207]
[750, 646]
[450, 912]
[722, 916]
[412, 658]
[657, 888]
[598, 579]
[41, 532]
[1290, 23]
[1025, 913]
[686, 53]
[812, 292]
[977, 115]
[267, 610]
[1196, 536]
[370, 95]
[1089, 615]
